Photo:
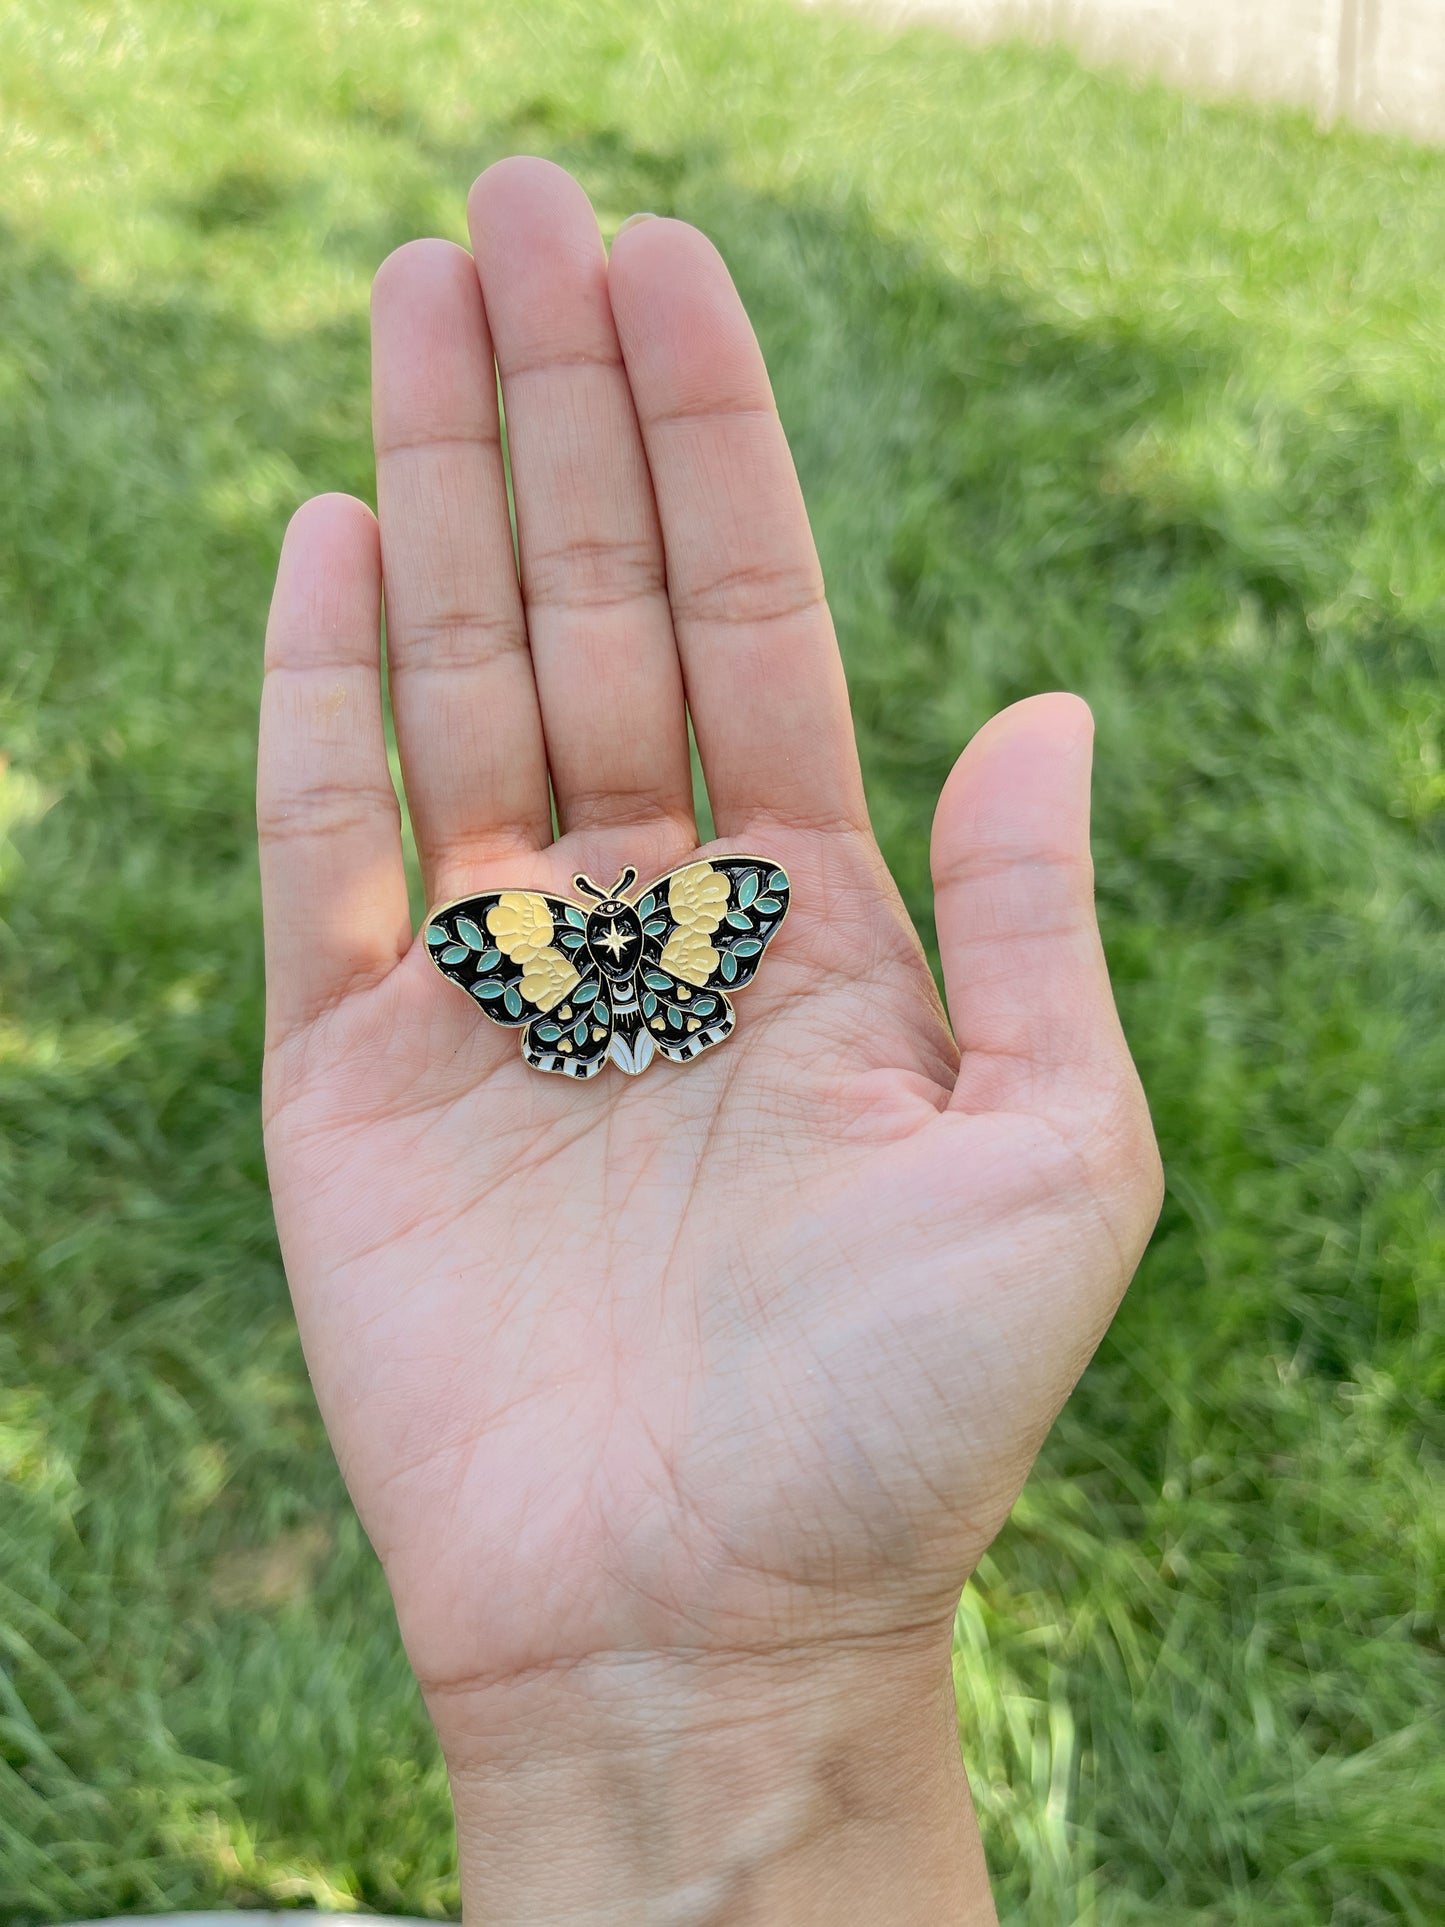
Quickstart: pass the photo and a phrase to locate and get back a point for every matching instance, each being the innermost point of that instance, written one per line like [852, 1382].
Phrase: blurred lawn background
[1088, 385]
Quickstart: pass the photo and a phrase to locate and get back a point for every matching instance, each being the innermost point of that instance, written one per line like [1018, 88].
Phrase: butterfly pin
[618, 981]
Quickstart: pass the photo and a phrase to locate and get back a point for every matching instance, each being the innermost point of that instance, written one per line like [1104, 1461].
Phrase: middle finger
[593, 577]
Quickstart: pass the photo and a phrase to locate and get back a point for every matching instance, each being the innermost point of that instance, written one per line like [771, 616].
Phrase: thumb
[1028, 988]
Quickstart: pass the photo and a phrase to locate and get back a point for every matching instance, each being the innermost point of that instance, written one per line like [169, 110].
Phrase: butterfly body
[624, 980]
[614, 938]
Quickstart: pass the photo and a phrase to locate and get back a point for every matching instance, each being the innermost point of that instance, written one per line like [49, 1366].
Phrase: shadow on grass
[1005, 501]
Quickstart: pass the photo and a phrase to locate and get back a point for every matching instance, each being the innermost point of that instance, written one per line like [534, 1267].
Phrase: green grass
[1089, 385]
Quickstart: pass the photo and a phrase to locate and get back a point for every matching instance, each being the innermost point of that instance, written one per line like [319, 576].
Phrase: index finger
[760, 662]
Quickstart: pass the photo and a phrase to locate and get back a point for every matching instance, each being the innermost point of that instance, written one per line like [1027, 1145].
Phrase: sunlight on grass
[1088, 385]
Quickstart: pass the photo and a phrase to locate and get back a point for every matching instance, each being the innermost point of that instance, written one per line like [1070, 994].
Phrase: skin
[678, 1409]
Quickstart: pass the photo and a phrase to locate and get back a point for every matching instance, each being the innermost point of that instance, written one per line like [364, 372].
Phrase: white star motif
[616, 940]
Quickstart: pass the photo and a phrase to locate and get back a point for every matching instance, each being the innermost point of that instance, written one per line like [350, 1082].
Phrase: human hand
[678, 1408]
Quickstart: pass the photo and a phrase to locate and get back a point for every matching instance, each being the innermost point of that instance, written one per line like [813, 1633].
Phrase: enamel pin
[618, 982]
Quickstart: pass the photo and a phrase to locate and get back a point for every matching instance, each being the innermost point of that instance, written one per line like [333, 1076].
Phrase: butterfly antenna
[625, 881]
[588, 888]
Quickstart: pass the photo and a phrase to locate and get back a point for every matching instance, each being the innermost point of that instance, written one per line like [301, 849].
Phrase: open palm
[747, 1355]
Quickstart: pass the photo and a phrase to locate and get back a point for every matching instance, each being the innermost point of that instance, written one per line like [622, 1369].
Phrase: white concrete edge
[243, 1917]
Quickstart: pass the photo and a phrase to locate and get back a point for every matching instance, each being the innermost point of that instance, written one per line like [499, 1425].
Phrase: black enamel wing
[623, 979]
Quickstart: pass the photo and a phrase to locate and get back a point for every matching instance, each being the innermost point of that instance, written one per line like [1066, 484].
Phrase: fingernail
[634, 220]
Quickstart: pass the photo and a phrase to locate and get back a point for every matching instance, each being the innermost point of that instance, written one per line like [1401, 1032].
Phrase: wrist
[721, 1789]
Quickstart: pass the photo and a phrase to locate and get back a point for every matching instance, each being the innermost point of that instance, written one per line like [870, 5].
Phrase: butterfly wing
[575, 1037]
[519, 953]
[682, 1022]
[708, 924]
[522, 956]
[704, 930]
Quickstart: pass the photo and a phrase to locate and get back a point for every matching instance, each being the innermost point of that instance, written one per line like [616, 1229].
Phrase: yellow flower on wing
[698, 900]
[689, 955]
[521, 923]
[548, 978]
